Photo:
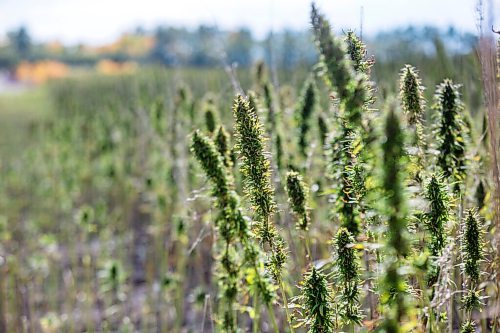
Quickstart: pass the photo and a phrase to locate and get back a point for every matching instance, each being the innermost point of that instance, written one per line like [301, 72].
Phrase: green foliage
[316, 302]
[298, 197]
[472, 245]
[357, 52]
[307, 104]
[221, 141]
[411, 95]
[451, 141]
[323, 129]
[472, 255]
[393, 176]
[211, 161]
[472, 300]
[341, 170]
[468, 327]
[436, 220]
[347, 264]
[394, 292]
[438, 215]
[210, 121]
[230, 223]
[333, 55]
[277, 260]
[360, 96]
[255, 167]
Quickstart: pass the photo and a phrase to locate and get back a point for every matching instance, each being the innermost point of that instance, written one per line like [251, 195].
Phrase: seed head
[392, 183]
[316, 302]
[411, 94]
[472, 245]
[347, 265]
[211, 162]
[297, 197]
[333, 54]
[357, 52]
[306, 108]
[210, 120]
[222, 142]
[468, 327]
[255, 165]
[451, 142]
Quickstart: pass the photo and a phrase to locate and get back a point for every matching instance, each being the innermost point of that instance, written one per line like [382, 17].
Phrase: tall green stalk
[347, 266]
[411, 95]
[298, 198]
[305, 109]
[211, 162]
[316, 303]
[232, 228]
[256, 171]
[394, 289]
[450, 132]
[472, 255]
[436, 219]
[413, 104]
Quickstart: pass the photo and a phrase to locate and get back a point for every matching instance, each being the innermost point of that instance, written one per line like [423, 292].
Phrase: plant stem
[285, 303]
[308, 248]
[256, 309]
[272, 317]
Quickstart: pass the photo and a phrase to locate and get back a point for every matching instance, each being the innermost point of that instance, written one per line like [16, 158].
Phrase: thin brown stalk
[489, 64]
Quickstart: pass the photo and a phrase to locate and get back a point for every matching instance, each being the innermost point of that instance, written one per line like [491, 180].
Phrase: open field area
[354, 192]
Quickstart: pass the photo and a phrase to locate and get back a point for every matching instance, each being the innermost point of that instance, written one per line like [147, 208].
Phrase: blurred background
[43, 40]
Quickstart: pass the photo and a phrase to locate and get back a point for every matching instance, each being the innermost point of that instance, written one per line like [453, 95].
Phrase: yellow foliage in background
[41, 71]
[109, 67]
[55, 47]
[132, 45]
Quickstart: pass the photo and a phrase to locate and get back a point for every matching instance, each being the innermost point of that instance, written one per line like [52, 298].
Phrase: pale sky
[101, 21]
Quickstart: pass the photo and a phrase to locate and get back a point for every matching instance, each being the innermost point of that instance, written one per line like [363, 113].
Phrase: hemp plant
[211, 162]
[472, 255]
[341, 160]
[305, 109]
[323, 129]
[345, 70]
[232, 228]
[256, 170]
[436, 219]
[315, 303]
[210, 121]
[411, 95]
[451, 141]
[352, 90]
[413, 104]
[221, 141]
[347, 268]
[298, 198]
[333, 55]
[255, 166]
[357, 52]
[394, 286]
